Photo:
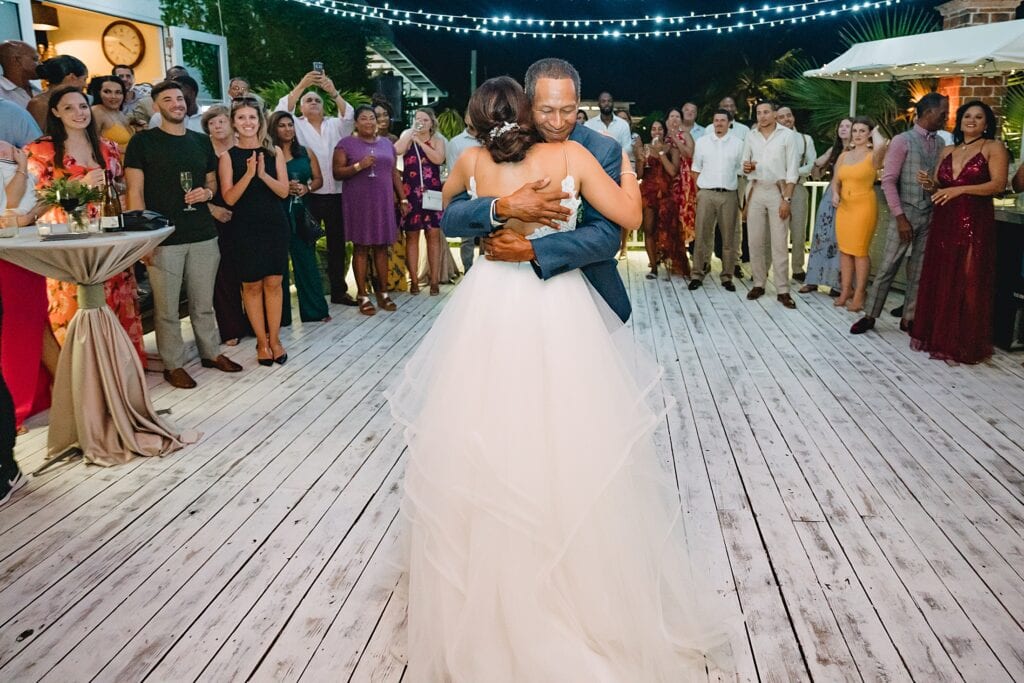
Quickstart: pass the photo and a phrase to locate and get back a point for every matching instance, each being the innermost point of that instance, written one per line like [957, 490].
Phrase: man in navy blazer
[553, 86]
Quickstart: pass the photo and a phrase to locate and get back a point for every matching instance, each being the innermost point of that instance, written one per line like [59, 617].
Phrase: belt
[717, 189]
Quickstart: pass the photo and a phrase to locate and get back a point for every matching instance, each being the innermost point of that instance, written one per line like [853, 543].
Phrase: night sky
[653, 72]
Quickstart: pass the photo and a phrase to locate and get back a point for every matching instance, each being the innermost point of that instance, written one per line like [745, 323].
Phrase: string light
[508, 26]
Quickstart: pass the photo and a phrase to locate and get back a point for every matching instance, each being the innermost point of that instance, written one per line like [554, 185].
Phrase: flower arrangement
[72, 196]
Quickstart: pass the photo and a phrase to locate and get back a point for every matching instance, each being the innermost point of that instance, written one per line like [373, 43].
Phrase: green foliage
[279, 40]
[889, 24]
[1013, 117]
[275, 90]
[51, 194]
[450, 123]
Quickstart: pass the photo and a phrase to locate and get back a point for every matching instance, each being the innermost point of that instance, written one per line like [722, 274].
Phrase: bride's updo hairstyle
[500, 114]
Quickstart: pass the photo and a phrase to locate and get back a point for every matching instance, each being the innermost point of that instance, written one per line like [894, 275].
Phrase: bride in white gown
[544, 538]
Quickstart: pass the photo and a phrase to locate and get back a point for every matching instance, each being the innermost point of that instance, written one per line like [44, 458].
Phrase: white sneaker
[11, 485]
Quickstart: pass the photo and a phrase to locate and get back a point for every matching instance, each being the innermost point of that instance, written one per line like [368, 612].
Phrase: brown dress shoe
[179, 378]
[755, 293]
[222, 363]
[786, 300]
[863, 325]
[907, 326]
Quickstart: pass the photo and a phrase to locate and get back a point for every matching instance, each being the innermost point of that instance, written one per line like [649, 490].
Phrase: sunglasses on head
[245, 99]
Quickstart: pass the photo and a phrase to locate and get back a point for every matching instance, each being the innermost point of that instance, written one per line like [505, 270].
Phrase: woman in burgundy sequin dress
[954, 306]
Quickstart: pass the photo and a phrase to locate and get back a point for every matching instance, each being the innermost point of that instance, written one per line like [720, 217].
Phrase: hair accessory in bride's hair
[506, 127]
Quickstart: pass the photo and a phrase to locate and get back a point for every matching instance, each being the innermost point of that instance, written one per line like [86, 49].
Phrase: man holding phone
[320, 135]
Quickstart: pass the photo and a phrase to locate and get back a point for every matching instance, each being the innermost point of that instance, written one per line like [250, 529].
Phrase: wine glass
[186, 185]
[69, 203]
[373, 155]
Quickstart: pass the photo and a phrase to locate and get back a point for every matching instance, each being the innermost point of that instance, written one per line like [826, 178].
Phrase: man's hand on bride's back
[534, 203]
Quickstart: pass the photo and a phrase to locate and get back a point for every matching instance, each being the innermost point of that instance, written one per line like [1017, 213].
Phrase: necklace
[965, 143]
[372, 142]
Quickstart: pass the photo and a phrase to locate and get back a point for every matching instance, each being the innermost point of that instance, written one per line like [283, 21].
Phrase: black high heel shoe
[280, 360]
[265, 362]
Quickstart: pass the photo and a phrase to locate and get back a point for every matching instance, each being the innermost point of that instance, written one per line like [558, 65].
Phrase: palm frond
[889, 24]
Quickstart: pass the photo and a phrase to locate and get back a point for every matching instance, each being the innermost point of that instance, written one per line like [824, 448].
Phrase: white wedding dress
[544, 538]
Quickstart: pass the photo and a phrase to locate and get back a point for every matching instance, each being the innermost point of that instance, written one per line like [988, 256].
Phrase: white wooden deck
[864, 503]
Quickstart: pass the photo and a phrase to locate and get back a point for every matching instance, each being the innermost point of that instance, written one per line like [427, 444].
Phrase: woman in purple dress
[422, 151]
[366, 162]
[954, 305]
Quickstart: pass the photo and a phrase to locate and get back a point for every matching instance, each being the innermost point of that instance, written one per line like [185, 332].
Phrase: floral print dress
[684, 191]
[122, 289]
[419, 218]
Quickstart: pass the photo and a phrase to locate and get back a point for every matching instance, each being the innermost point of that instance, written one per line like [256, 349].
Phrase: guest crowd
[250, 189]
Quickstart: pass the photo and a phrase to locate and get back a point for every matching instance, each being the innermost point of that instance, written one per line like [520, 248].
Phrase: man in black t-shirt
[155, 163]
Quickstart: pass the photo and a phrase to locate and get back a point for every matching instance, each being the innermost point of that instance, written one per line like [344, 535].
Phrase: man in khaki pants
[770, 162]
[801, 197]
[716, 165]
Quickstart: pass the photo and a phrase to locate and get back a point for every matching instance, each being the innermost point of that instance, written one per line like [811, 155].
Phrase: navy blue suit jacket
[591, 247]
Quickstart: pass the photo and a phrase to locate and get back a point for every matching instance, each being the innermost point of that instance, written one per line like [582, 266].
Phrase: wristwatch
[788, 200]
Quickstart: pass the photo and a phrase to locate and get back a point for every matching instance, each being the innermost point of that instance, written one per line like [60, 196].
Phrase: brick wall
[961, 13]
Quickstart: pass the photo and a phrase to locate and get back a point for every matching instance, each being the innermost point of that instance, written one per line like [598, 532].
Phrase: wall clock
[123, 43]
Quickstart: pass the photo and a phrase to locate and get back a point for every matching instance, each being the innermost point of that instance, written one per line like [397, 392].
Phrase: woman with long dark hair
[823, 259]
[304, 176]
[107, 93]
[673, 243]
[72, 148]
[254, 181]
[953, 321]
[657, 164]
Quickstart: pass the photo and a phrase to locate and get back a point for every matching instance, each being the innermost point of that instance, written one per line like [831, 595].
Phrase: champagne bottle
[111, 220]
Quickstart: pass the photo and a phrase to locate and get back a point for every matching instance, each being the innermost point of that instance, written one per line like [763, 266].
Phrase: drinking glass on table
[186, 185]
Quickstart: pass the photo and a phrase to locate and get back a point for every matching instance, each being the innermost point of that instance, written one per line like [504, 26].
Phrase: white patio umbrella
[986, 50]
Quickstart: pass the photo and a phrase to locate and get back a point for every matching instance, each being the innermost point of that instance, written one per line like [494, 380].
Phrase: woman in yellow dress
[108, 95]
[853, 195]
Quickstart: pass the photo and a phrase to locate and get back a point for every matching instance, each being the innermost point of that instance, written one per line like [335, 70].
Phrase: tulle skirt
[545, 541]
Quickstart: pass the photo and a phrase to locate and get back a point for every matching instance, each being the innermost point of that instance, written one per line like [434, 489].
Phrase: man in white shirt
[717, 158]
[453, 150]
[801, 199]
[770, 162]
[320, 135]
[740, 131]
[690, 124]
[18, 62]
[608, 123]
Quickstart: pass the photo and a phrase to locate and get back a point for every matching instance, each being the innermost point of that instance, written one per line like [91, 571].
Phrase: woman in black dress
[253, 182]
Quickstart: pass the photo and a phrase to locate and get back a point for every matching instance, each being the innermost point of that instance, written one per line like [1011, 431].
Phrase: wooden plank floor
[862, 503]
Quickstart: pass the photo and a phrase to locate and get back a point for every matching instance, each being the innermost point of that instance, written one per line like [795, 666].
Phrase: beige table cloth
[100, 400]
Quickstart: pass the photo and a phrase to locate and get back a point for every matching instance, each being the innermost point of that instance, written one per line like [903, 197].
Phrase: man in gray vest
[918, 149]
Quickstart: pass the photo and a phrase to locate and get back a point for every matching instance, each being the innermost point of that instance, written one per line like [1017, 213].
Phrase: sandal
[365, 307]
[414, 288]
[385, 302]
[435, 290]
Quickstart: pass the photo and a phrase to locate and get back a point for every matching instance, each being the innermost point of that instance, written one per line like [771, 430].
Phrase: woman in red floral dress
[656, 166]
[72, 148]
[684, 190]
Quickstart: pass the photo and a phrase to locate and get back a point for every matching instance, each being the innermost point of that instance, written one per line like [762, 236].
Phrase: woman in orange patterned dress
[72, 148]
[656, 166]
[684, 190]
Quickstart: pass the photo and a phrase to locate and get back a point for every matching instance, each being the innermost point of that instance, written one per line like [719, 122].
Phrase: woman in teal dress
[303, 177]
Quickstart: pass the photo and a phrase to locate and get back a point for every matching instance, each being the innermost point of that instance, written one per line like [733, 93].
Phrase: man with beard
[154, 162]
[193, 117]
[609, 124]
[553, 87]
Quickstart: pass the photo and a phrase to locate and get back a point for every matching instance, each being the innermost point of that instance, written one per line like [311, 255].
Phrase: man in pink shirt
[918, 149]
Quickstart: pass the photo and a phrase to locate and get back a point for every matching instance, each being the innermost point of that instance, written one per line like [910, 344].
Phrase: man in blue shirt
[16, 125]
[553, 86]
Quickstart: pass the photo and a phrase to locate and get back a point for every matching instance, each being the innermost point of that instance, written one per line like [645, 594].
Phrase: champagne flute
[186, 185]
[373, 155]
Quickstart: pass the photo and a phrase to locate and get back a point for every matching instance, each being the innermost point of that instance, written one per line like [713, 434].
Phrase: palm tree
[889, 104]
